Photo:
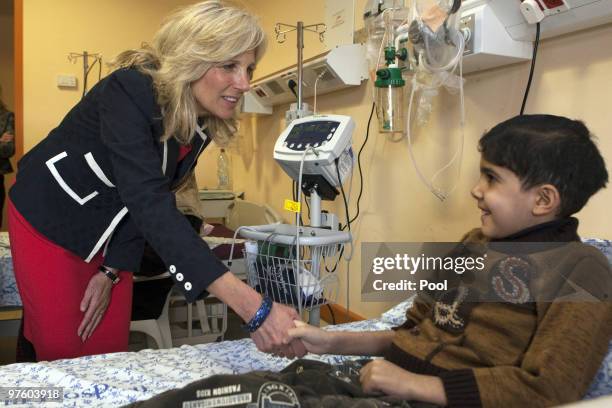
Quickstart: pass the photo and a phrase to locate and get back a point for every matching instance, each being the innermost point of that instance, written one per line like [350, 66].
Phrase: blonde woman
[99, 186]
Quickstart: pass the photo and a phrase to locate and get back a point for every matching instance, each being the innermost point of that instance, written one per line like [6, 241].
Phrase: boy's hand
[315, 340]
[383, 377]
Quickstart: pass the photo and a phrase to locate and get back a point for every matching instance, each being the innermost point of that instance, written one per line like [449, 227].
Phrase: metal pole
[300, 48]
[315, 209]
[314, 315]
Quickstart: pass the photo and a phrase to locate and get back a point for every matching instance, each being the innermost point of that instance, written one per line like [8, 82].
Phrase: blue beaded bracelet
[260, 316]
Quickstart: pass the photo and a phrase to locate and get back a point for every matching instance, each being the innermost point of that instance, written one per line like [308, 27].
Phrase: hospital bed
[120, 378]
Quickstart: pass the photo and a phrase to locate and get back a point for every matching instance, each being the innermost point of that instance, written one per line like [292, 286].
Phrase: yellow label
[292, 206]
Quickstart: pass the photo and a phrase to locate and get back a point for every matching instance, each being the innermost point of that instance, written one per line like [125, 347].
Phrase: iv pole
[97, 58]
[281, 30]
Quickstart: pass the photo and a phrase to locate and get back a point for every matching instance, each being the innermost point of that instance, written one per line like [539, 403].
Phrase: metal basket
[306, 282]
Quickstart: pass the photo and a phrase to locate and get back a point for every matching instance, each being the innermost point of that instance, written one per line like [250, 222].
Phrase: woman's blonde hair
[189, 43]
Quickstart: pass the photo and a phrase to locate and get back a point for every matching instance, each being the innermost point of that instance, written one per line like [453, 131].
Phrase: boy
[536, 171]
[523, 349]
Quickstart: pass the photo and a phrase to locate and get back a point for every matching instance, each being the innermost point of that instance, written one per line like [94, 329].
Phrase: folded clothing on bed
[303, 383]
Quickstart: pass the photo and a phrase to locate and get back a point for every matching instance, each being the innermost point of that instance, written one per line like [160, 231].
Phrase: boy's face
[506, 207]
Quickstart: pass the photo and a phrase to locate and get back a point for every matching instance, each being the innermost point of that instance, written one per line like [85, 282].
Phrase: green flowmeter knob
[389, 55]
[391, 76]
[402, 54]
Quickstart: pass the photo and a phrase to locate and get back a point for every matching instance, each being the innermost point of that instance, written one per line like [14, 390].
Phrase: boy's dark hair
[547, 149]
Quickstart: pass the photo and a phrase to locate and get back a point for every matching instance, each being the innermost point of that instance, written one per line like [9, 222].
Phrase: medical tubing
[260, 315]
[380, 48]
[452, 63]
[346, 209]
[440, 194]
[231, 256]
[459, 151]
[314, 109]
[533, 62]
[399, 38]
[299, 213]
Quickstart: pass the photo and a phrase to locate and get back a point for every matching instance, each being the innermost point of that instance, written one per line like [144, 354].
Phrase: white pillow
[397, 314]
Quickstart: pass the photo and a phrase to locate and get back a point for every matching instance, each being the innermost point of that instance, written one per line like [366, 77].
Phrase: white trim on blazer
[51, 165]
[107, 233]
[97, 170]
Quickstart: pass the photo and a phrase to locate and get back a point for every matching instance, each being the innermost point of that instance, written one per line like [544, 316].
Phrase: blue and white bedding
[120, 378]
[9, 296]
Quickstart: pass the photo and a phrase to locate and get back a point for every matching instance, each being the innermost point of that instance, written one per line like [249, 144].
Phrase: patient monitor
[287, 262]
[321, 142]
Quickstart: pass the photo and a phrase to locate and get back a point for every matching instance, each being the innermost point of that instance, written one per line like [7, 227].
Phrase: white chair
[209, 314]
[175, 325]
[157, 329]
[242, 212]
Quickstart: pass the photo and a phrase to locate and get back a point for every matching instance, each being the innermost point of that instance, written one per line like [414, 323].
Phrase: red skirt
[51, 283]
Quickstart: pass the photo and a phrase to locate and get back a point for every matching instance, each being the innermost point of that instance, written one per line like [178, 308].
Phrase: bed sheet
[120, 378]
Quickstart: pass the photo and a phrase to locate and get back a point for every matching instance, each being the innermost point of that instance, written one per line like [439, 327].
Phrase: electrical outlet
[552, 7]
[66, 81]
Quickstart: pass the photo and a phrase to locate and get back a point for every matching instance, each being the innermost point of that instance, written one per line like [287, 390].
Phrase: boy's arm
[370, 343]
[318, 341]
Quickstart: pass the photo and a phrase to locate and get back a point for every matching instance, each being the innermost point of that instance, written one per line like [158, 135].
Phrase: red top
[183, 151]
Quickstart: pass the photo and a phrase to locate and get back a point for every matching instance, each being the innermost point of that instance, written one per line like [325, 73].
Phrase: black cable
[346, 209]
[292, 84]
[307, 206]
[294, 192]
[348, 222]
[533, 62]
[337, 261]
[359, 162]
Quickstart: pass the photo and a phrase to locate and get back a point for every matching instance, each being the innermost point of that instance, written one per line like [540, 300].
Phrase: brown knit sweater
[516, 353]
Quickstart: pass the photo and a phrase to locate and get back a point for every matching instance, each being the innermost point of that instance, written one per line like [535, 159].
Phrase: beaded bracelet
[260, 316]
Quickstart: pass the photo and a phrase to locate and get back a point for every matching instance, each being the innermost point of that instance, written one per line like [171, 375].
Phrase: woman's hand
[94, 304]
[272, 336]
[383, 377]
[315, 340]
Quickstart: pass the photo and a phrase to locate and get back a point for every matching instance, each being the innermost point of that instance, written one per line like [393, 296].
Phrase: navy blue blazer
[102, 181]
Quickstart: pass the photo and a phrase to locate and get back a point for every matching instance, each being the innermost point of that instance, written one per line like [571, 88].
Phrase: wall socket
[66, 81]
